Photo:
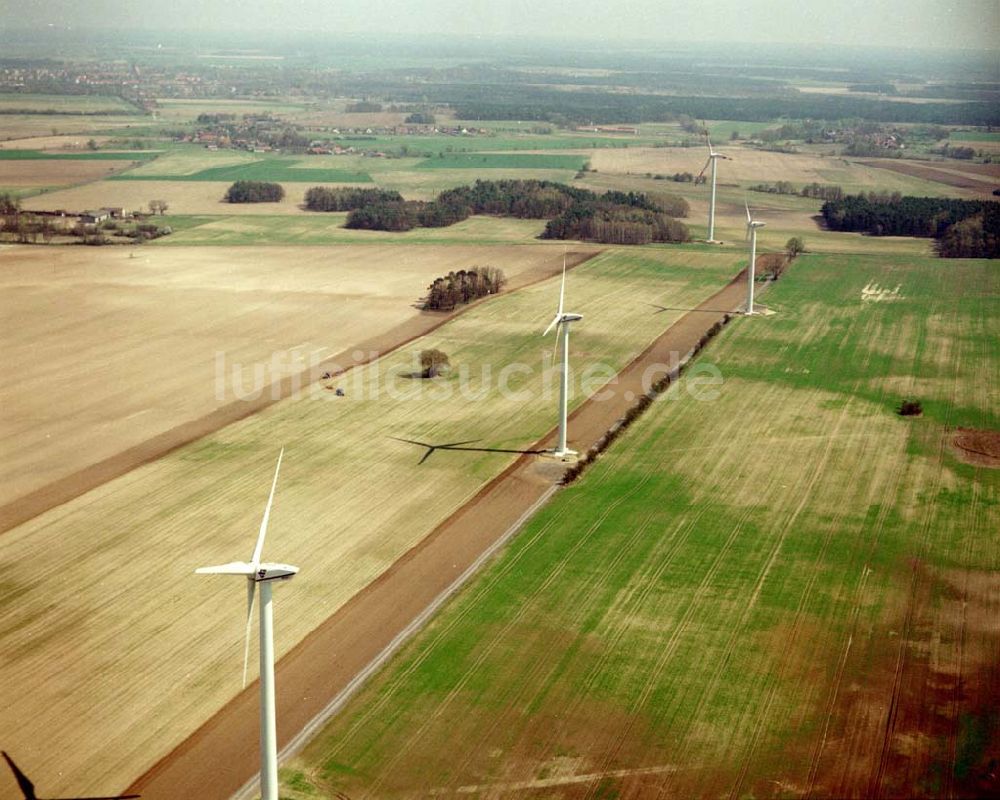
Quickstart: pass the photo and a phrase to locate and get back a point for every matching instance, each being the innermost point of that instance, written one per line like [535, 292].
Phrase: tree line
[255, 192]
[818, 191]
[613, 217]
[590, 107]
[463, 286]
[323, 198]
[963, 228]
[610, 222]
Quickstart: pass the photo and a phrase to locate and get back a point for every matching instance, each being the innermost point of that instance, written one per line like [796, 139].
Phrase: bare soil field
[745, 164]
[74, 396]
[21, 126]
[69, 142]
[978, 447]
[183, 197]
[981, 179]
[100, 678]
[62, 172]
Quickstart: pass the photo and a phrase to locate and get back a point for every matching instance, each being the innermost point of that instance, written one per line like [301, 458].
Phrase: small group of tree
[158, 206]
[463, 286]
[324, 198]
[910, 408]
[794, 247]
[817, 191]
[616, 224]
[420, 118]
[10, 205]
[961, 153]
[974, 237]
[255, 192]
[433, 362]
[682, 177]
[214, 119]
[363, 107]
[397, 217]
[963, 228]
[27, 228]
[866, 148]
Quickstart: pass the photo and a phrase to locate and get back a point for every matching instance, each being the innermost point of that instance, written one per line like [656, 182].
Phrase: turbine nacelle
[252, 572]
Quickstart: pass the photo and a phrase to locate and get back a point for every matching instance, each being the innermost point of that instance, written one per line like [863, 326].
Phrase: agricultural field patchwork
[278, 170]
[174, 312]
[155, 649]
[778, 583]
[328, 228]
[183, 197]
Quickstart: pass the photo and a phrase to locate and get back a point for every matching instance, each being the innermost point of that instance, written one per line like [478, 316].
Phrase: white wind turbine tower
[752, 226]
[561, 321]
[713, 158]
[258, 573]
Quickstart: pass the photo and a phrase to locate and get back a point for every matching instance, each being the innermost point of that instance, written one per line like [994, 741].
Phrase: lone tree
[432, 362]
[794, 246]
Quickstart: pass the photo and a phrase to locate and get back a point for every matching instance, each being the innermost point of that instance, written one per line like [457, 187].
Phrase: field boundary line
[248, 790]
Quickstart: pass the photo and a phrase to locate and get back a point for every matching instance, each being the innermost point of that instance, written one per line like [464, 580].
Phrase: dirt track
[222, 755]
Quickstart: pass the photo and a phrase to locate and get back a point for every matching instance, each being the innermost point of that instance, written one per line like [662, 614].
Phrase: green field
[82, 155]
[503, 161]
[975, 136]
[786, 590]
[279, 170]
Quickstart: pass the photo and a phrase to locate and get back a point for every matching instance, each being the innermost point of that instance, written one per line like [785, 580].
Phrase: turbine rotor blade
[251, 596]
[562, 287]
[555, 321]
[259, 549]
[700, 174]
[747, 205]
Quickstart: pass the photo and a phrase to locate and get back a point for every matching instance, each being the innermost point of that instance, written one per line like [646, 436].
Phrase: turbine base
[562, 455]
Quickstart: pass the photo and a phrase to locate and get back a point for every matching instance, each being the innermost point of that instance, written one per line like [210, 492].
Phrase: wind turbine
[28, 788]
[262, 574]
[752, 226]
[713, 157]
[561, 322]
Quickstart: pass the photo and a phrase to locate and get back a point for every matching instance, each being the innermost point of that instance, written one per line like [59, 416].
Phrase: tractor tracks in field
[222, 752]
[69, 487]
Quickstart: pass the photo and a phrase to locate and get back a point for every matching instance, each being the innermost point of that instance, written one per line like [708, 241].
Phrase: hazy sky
[901, 23]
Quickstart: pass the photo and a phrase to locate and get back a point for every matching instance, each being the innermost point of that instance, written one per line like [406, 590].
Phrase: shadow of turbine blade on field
[701, 310]
[459, 446]
[28, 788]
